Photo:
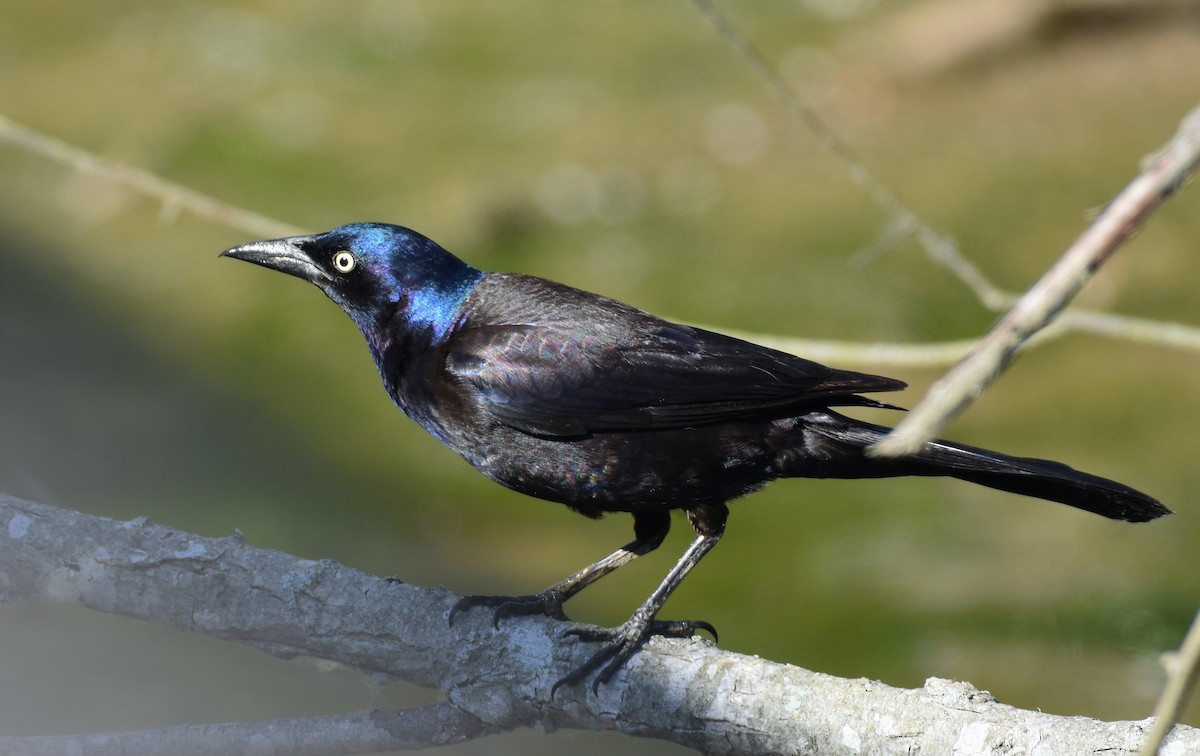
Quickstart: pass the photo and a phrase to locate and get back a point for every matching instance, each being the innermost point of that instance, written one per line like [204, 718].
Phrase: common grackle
[573, 397]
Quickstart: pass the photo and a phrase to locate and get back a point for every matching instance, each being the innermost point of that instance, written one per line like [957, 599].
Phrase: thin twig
[1161, 175]
[1181, 680]
[903, 218]
[880, 353]
[173, 196]
[1141, 330]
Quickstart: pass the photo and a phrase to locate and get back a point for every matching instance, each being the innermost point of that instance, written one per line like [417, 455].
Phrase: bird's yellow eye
[344, 262]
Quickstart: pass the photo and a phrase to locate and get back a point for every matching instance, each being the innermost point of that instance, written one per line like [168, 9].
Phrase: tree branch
[686, 691]
[1182, 671]
[172, 195]
[1161, 175]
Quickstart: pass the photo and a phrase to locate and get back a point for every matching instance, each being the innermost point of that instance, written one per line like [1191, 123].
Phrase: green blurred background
[624, 148]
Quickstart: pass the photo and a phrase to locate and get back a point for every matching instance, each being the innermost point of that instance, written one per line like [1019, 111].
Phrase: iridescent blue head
[374, 271]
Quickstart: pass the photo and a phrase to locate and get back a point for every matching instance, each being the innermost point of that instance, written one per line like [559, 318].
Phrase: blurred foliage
[624, 148]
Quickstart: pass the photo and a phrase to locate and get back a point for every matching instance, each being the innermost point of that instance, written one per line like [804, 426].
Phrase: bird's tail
[837, 437]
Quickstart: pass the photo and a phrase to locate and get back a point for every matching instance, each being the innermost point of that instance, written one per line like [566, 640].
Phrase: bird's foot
[622, 643]
[548, 602]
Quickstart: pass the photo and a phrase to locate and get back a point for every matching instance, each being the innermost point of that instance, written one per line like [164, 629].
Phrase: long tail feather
[1040, 478]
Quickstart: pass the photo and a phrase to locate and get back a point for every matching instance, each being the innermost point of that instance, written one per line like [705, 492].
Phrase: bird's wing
[553, 380]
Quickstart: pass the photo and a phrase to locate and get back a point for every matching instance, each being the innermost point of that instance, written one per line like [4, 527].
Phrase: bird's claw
[548, 603]
[621, 643]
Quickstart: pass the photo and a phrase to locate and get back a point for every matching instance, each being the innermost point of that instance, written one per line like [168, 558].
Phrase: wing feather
[560, 380]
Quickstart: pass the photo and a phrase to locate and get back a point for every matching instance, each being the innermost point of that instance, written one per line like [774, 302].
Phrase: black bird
[573, 397]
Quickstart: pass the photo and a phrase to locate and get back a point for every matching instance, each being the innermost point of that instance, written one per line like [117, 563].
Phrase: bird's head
[371, 270]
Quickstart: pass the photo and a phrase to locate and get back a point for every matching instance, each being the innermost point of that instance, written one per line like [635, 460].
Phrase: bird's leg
[622, 642]
[649, 530]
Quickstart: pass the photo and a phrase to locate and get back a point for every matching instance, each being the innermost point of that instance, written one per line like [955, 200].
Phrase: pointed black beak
[285, 255]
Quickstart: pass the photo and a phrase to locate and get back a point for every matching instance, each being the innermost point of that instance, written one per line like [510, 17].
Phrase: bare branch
[173, 196]
[1182, 668]
[1140, 330]
[686, 691]
[1162, 174]
[903, 219]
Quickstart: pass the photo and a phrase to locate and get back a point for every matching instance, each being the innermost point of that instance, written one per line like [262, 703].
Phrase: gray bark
[685, 691]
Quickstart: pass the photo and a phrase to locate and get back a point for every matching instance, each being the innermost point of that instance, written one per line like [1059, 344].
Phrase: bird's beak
[285, 255]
